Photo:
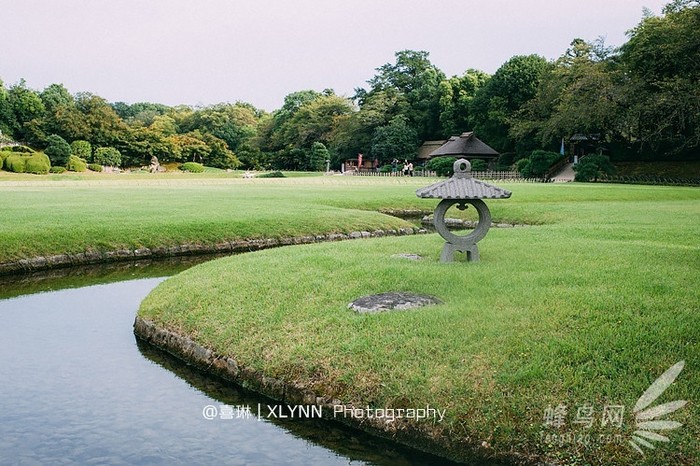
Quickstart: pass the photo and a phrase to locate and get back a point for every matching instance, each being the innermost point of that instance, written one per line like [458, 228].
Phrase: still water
[76, 387]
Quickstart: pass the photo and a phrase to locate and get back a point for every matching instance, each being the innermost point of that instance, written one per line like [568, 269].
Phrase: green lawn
[587, 306]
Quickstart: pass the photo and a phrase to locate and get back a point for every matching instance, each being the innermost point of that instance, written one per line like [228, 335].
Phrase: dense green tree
[305, 118]
[494, 104]
[27, 109]
[581, 93]
[235, 124]
[456, 95]
[662, 61]
[417, 81]
[396, 140]
[82, 149]
[538, 164]
[318, 156]
[106, 128]
[443, 166]
[6, 115]
[354, 132]
[592, 167]
[220, 156]
[108, 156]
[189, 147]
[58, 150]
[54, 96]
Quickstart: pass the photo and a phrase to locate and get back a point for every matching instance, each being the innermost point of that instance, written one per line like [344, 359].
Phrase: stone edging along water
[235, 246]
[425, 436]
[34, 264]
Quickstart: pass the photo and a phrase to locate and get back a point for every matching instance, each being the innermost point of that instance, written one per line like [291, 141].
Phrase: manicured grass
[46, 217]
[588, 307]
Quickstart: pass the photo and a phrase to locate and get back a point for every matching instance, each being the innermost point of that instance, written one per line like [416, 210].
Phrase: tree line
[639, 101]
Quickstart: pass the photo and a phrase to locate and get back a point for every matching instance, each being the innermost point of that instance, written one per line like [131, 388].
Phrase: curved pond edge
[234, 246]
[425, 436]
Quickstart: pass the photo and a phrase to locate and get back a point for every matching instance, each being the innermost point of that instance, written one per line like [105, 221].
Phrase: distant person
[394, 166]
[410, 168]
[375, 165]
[405, 168]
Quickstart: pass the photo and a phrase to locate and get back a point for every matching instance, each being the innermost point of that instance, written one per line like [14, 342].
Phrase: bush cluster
[37, 162]
[58, 169]
[76, 164]
[192, 167]
[95, 167]
[272, 175]
[538, 164]
[442, 166]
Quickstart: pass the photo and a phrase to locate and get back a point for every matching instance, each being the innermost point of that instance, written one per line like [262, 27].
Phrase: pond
[78, 388]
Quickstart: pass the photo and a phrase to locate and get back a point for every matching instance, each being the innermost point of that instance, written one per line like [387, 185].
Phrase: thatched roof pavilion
[466, 146]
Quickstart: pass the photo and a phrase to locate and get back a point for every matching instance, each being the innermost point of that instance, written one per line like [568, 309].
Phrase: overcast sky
[201, 52]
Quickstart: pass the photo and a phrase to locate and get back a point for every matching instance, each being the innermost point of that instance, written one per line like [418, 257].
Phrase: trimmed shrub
[272, 175]
[592, 167]
[76, 164]
[479, 165]
[538, 163]
[95, 167]
[3, 155]
[442, 166]
[82, 149]
[15, 163]
[37, 163]
[108, 156]
[192, 167]
[58, 150]
[58, 169]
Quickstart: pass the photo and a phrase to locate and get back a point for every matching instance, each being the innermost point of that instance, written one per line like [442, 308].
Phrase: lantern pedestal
[455, 243]
[464, 191]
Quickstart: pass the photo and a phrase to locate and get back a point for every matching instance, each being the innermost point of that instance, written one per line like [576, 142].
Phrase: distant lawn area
[585, 307]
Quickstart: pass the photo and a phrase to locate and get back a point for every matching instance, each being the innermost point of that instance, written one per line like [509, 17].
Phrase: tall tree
[28, 109]
[513, 84]
[417, 82]
[456, 95]
[395, 140]
[7, 118]
[581, 93]
[662, 60]
[58, 150]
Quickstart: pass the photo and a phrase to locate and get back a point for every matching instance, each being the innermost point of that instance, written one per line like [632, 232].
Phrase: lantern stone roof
[465, 145]
[462, 186]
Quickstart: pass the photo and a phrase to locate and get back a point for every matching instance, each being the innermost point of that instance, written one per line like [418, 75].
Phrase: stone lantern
[462, 189]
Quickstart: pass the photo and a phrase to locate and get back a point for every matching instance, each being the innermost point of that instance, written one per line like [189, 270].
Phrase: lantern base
[449, 250]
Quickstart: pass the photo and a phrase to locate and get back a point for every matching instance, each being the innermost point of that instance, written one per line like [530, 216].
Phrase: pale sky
[201, 52]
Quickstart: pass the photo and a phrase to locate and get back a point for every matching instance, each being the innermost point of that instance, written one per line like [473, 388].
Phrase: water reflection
[77, 389]
[96, 274]
[346, 442]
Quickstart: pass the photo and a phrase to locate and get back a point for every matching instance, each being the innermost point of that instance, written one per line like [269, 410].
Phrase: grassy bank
[585, 309]
[44, 216]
